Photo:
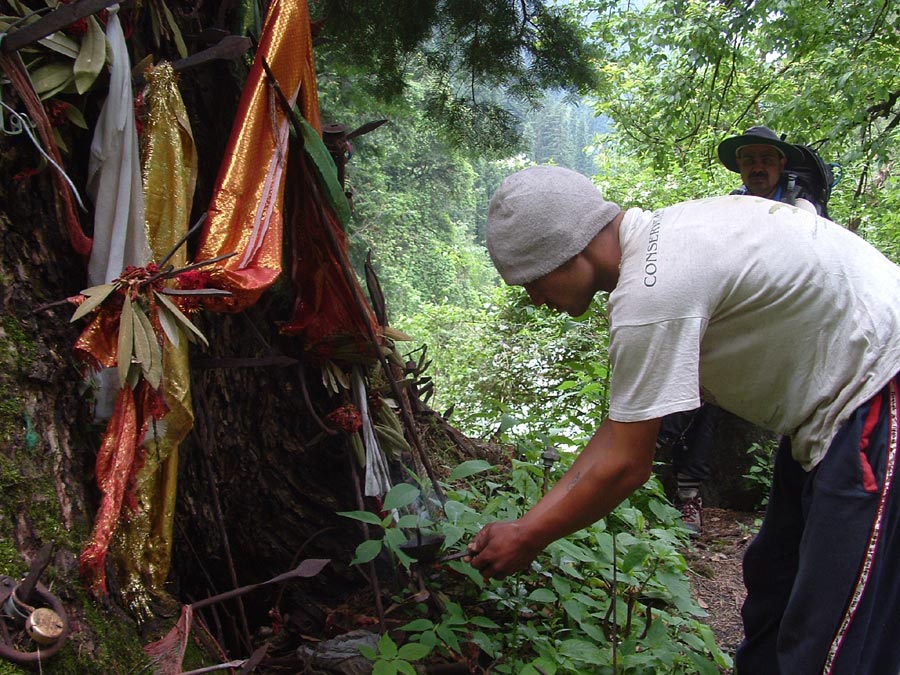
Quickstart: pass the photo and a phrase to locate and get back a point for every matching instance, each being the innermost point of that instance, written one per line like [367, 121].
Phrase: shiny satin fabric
[142, 546]
[245, 213]
[114, 467]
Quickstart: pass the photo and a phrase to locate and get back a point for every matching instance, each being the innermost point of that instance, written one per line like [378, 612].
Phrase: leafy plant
[759, 475]
[391, 659]
[614, 594]
[67, 61]
[612, 598]
[136, 303]
[391, 524]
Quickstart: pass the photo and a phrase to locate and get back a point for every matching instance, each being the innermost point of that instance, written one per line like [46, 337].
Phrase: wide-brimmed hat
[755, 136]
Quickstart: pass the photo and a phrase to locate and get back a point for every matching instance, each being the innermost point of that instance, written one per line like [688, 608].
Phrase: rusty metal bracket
[17, 598]
[44, 597]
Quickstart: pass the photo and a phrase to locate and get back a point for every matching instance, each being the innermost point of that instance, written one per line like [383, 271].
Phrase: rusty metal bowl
[423, 549]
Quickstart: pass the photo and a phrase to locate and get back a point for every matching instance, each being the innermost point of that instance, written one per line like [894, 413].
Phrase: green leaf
[418, 625]
[134, 377]
[562, 586]
[91, 56]
[367, 652]
[637, 553]
[153, 369]
[429, 638]
[364, 516]
[574, 609]
[664, 512]
[74, 115]
[399, 496]
[507, 422]
[413, 651]
[453, 510]
[581, 650]
[384, 668]
[546, 666]
[61, 43]
[483, 621]
[387, 648]
[125, 347]
[575, 551]
[405, 667]
[176, 31]
[60, 143]
[704, 665]
[542, 595]
[411, 521]
[183, 321]
[315, 148]
[486, 644]
[141, 341]
[169, 324]
[709, 639]
[52, 78]
[366, 551]
[469, 468]
[94, 297]
[449, 637]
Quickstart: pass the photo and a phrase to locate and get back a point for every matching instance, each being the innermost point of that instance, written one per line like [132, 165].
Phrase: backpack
[813, 179]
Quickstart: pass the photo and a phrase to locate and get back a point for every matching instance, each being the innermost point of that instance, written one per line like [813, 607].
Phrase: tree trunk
[729, 487]
[260, 482]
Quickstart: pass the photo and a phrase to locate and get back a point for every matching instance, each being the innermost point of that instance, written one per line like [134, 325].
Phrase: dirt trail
[715, 562]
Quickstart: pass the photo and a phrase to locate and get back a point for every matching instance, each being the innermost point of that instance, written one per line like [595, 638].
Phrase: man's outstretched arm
[616, 462]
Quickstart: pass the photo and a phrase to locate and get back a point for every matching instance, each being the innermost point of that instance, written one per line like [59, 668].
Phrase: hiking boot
[692, 514]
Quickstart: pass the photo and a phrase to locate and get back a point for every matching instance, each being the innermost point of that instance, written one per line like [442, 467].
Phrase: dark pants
[691, 434]
[823, 574]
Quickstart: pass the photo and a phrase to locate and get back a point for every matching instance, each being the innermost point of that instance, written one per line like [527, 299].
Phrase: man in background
[762, 159]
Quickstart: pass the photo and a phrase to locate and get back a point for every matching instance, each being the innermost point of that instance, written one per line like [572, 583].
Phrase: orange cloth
[117, 463]
[245, 215]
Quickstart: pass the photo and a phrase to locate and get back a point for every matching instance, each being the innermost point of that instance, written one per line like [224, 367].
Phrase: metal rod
[452, 556]
[25, 590]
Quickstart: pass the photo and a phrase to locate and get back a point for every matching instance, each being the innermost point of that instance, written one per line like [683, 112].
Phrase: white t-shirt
[782, 317]
[806, 205]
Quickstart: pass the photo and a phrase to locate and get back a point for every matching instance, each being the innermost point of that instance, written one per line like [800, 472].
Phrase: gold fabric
[245, 214]
[142, 545]
[169, 164]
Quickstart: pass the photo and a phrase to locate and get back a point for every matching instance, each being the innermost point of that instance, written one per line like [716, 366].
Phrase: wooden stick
[59, 18]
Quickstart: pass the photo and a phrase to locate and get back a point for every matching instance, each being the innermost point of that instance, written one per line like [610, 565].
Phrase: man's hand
[616, 462]
[502, 548]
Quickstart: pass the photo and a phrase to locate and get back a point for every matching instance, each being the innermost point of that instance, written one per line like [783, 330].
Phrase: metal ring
[16, 656]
